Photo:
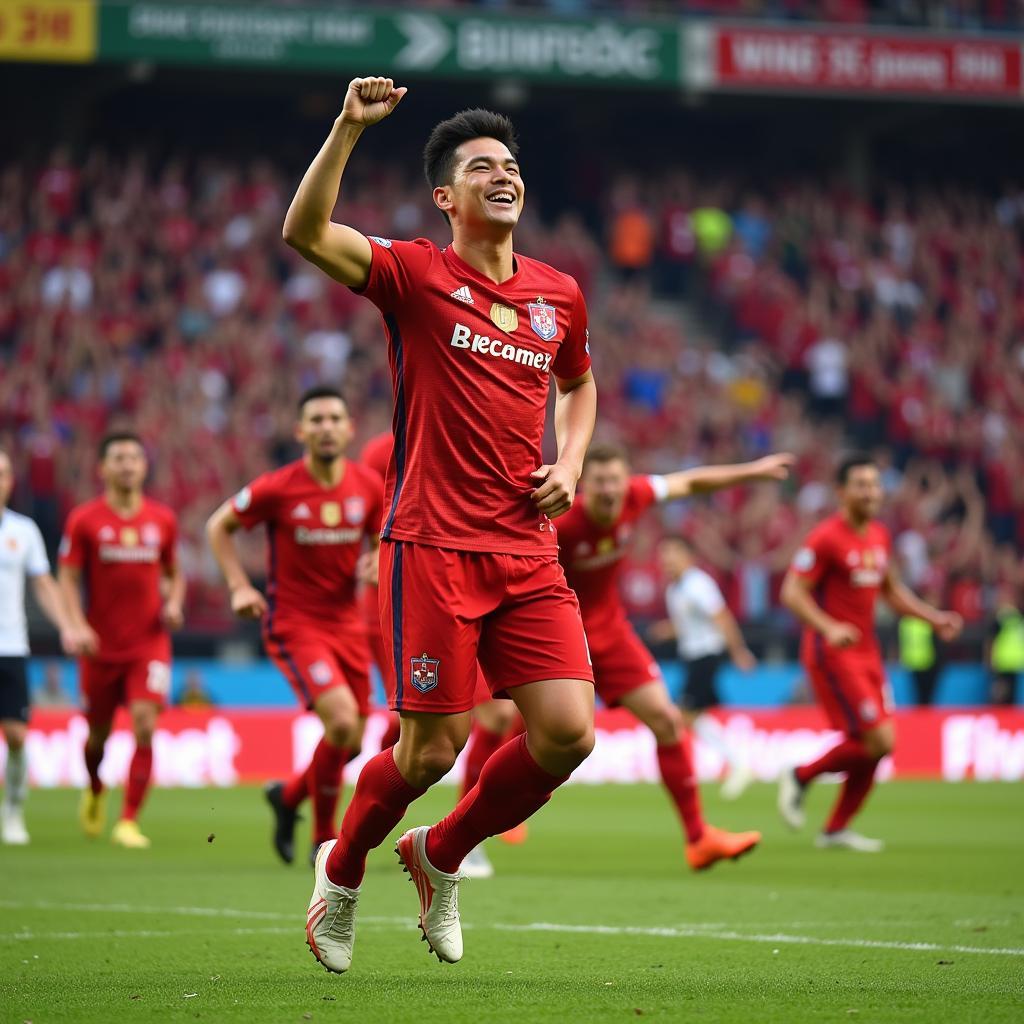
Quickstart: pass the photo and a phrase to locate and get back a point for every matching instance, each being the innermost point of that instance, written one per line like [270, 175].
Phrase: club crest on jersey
[330, 513]
[505, 318]
[423, 673]
[151, 535]
[355, 509]
[542, 320]
[129, 536]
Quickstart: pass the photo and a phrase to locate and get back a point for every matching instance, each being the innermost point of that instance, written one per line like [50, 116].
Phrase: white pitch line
[686, 931]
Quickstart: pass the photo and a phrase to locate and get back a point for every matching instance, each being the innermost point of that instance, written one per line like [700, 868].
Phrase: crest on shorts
[868, 711]
[320, 672]
[504, 317]
[542, 320]
[330, 513]
[423, 673]
[129, 536]
[355, 509]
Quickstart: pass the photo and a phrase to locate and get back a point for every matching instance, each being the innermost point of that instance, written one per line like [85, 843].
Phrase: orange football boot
[716, 844]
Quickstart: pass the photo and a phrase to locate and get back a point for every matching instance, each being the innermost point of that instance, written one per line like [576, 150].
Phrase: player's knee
[571, 740]
[666, 724]
[424, 764]
[14, 735]
[342, 730]
[879, 742]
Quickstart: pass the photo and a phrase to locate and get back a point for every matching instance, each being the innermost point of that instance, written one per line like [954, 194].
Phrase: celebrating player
[122, 547]
[592, 539]
[318, 511]
[832, 587]
[22, 553]
[468, 562]
[704, 630]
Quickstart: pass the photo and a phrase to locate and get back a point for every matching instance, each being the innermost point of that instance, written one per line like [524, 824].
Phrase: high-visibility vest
[917, 644]
[1008, 646]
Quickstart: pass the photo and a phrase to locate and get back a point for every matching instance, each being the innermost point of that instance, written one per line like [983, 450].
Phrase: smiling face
[487, 192]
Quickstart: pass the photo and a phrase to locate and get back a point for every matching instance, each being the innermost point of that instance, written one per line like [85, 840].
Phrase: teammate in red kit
[832, 586]
[320, 513]
[468, 566]
[593, 537]
[121, 546]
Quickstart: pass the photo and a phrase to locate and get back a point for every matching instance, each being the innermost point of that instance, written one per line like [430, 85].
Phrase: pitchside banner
[758, 59]
[222, 748]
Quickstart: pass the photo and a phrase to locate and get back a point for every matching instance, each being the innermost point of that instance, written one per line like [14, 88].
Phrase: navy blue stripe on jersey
[396, 622]
[401, 423]
[852, 725]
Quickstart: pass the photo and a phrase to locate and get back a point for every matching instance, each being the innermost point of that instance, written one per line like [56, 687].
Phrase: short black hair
[604, 452]
[848, 463]
[116, 437]
[445, 139]
[320, 391]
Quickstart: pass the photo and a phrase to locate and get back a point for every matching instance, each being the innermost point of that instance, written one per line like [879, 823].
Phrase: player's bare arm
[246, 601]
[48, 596]
[368, 563]
[904, 601]
[338, 250]
[575, 414]
[740, 654]
[173, 612]
[69, 581]
[704, 479]
[796, 596]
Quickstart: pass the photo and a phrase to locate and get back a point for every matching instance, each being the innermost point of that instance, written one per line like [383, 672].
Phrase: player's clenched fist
[370, 100]
[558, 486]
[248, 603]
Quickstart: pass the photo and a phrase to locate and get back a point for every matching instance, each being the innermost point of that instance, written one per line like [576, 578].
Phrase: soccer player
[705, 630]
[832, 586]
[22, 553]
[468, 563]
[121, 546]
[593, 537]
[320, 513]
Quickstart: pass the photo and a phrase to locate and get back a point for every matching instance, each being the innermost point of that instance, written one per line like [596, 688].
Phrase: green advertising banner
[596, 51]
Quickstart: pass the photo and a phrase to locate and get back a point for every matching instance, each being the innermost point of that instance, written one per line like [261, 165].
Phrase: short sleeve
[811, 559]
[254, 503]
[645, 491]
[169, 546]
[705, 594]
[397, 270]
[36, 562]
[573, 358]
[74, 543]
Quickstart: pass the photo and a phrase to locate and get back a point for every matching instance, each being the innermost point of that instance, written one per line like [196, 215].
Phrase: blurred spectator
[51, 695]
[1007, 651]
[194, 695]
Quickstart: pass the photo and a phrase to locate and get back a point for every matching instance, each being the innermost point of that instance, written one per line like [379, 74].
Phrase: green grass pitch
[594, 919]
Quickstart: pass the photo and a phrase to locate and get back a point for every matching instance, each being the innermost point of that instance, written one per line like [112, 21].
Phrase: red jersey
[470, 364]
[315, 535]
[847, 570]
[122, 561]
[591, 553]
[377, 451]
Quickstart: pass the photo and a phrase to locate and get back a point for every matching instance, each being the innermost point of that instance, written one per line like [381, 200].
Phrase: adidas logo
[463, 294]
[301, 512]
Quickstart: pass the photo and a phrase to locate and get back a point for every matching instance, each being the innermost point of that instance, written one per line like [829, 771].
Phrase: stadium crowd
[166, 300]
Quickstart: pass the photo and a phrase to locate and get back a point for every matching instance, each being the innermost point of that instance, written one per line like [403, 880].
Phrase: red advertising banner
[222, 748]
[866, 63]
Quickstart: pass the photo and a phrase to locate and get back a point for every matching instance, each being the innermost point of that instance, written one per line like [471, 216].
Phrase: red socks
[482, 743]
[377, 806]
[392, 732]
[512, 786]
[321, 781]
[93, 758]
[854, 792]
[676, 765]
[847, 756]
[139, 772]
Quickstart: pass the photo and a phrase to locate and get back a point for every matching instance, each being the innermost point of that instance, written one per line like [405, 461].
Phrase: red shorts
[851, 688]
[444, 611]
[621, 662]
[107, 685]
[370, 604]
[315, 661]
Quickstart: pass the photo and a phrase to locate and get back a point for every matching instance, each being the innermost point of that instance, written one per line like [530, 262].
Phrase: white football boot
[439, 896]
[740, 776]
[331, 917]
[477, 864]
[12, 826]
[791, 799]
[846, 839]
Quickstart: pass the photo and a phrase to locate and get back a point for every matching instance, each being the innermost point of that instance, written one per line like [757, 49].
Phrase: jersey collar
[463, 267]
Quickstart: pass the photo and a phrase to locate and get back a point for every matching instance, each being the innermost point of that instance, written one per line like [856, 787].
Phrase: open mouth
[503, 197]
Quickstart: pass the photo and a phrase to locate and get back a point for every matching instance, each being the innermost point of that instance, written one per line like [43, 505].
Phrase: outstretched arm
[338, 250]
[575, 413]
[703, 479]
